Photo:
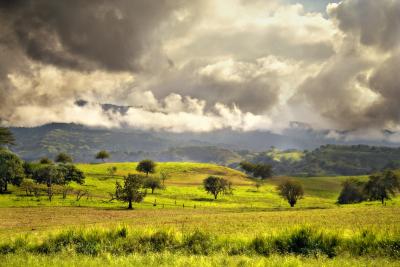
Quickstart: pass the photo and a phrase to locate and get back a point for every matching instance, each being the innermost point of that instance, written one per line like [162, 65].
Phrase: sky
[202, 65]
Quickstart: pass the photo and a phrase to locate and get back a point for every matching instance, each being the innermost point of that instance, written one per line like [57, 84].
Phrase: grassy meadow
[229, 225]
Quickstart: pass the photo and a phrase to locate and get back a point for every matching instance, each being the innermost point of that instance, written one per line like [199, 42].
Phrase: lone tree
[382, 187]
[63, 158]
[258, 170]
[153, 183]
[291, 190]
[132, 190]
[164, 176]
[103, 154]
[6, 137]
[45, 160]
[147, 166]
[11, 170]
[352, 192]
[216, 185]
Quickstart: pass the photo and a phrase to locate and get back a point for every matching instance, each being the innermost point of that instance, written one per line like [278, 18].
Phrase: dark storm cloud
[360, 86]
[86, 34]
[375, 23]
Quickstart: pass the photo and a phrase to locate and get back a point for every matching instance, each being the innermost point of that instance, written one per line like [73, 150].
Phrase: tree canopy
[352, 192]
[11, 169]
[291, 190]
[382, 186]
[103, 154]
[216, 185]
[257, 170]
[63, 158]
[147, 166]
[153, 183]
[132, 189]
[6, 137]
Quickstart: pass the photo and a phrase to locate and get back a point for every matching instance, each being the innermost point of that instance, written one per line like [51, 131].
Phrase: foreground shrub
[302, 241]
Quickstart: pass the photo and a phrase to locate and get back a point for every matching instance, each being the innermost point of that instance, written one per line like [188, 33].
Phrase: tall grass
[301, 241]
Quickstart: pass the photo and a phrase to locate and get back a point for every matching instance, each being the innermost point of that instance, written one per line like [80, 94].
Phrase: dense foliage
[216, 185]
[63, 158]
[352, 192]
[11, 169]
[6, 137]
[291, 190]
[147, 166]
[132, 189]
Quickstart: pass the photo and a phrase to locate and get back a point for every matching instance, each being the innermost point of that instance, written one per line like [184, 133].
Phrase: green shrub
[198, 243]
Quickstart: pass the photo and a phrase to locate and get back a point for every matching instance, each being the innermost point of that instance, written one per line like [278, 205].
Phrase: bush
[352, 192]
[198, 243]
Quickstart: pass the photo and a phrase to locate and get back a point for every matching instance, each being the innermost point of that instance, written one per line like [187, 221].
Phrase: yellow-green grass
[168, 259]
[286, 155]
[185, 206]
[248, 222]
[184, 188]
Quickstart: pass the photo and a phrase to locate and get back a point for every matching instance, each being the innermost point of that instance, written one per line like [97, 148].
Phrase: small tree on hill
[103, 154]
[152, 183]
[352, 192]
[6, 137]
[147, 166]
[63, 158]
[291, 190]
[132, 189]
[164, 176]
[382, 187]
[216, 185]
[258, 170]
[11, 170]
[248, 167]
[45, 160]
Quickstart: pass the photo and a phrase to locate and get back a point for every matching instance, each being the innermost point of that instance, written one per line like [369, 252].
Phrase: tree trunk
[130, 205]
[291, 204]
[215, 196]
[383, 200]
[5, 186]
[152, 190]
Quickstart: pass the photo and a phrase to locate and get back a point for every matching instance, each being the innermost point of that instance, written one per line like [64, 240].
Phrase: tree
[147, 166]
[248, 167]
[152, 183]
[291, 190]
[216, 185]
[262, 171]
[71, 174]
[382, 187]
[63, 158]
[11, 170]
[61, 174]
[352, 192]
[164, 176]
[6, 137]
[132, 190]
[49, 175]
[45, 160]
[257, 170]
[103, 154]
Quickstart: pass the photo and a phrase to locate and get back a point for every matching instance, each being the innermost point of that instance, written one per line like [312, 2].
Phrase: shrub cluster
[302, 241]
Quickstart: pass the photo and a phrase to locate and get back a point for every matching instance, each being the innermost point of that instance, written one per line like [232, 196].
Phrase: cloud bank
[201, 65]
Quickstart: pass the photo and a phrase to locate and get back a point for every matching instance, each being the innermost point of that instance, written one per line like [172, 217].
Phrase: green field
[184, 207]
